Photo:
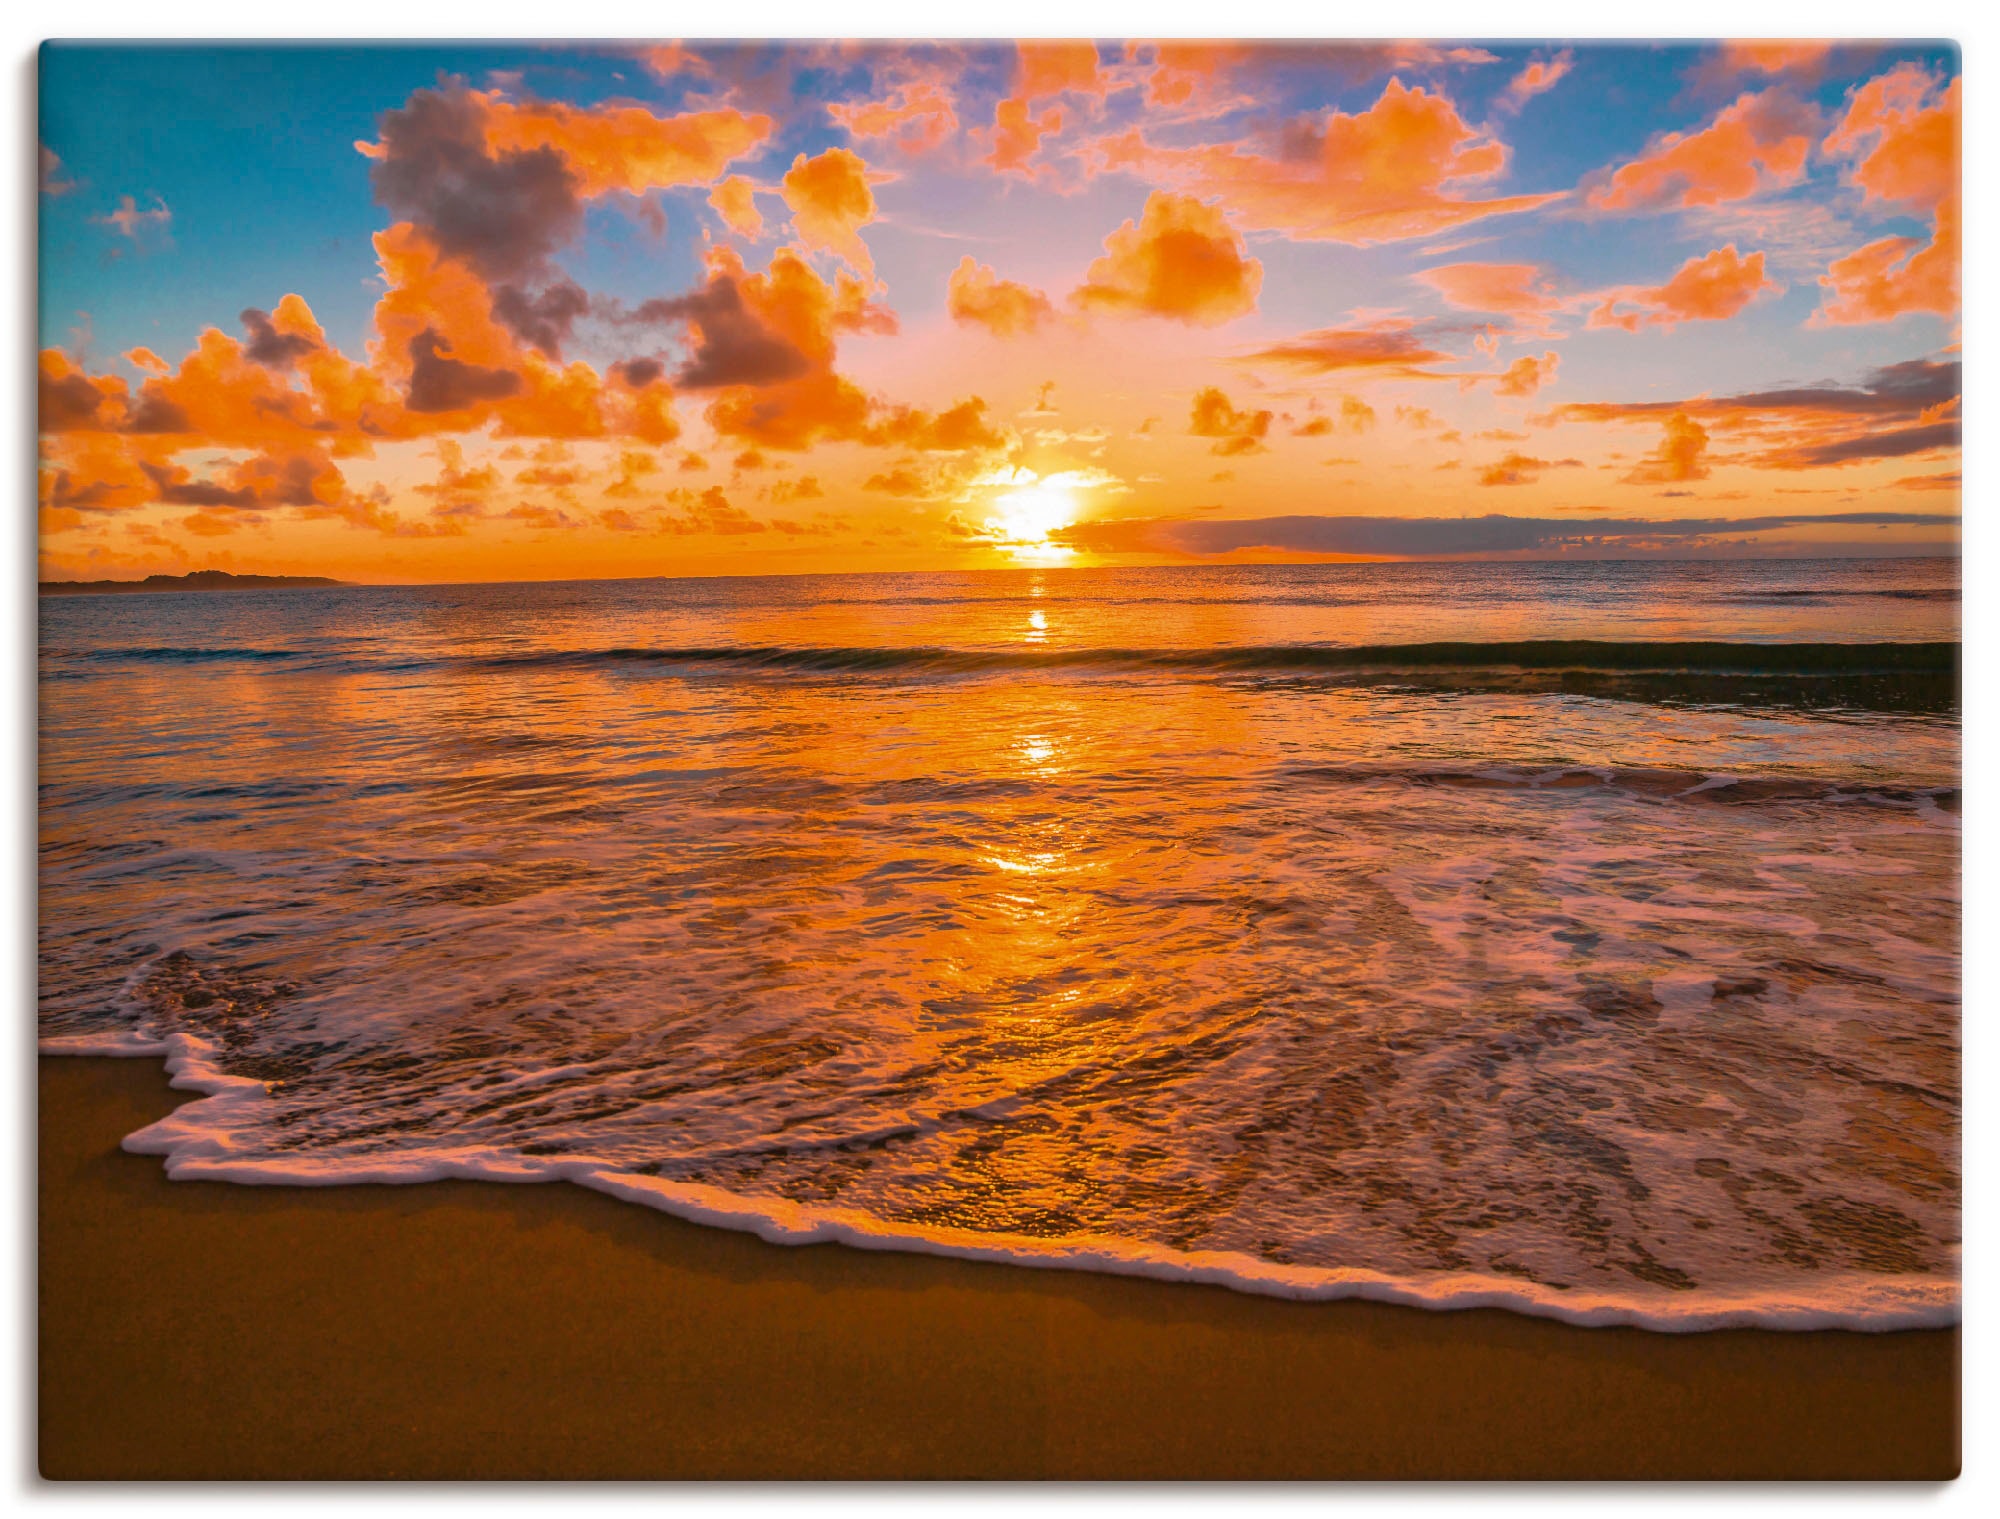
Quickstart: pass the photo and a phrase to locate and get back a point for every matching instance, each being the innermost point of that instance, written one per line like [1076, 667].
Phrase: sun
[1027, 517]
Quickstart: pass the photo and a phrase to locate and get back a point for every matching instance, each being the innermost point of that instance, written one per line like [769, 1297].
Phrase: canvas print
[1050, 758]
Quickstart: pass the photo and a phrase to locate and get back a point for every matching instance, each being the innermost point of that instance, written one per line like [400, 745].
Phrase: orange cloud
[1017, 135]
[1395, 349]
[1355, 416]
[977, 296]
[916, 117]
[1397, 170]
[1902, 411]
[1678, 459]
[735, 201]
[1236, 432]
[1905, 130]
[1712, 288]
[830, 202]
[1526, 375]
[624, 147]
[1758, 143]
[1181, 260]
[1539, 77]
[1520, 469]
[1057, 68]
[1043, 70]
[1517, 290]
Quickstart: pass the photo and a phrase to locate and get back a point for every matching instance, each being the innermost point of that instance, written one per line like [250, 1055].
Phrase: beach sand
[463, 1330]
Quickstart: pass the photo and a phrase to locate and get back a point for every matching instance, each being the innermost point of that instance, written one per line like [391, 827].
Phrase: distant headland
[199, 580]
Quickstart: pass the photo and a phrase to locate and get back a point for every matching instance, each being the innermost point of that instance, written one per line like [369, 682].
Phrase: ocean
[1580, 938]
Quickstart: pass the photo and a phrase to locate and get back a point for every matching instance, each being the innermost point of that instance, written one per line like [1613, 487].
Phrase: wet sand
[463, 1330]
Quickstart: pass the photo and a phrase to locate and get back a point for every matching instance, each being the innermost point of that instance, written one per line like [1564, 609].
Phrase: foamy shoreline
[198, 1150]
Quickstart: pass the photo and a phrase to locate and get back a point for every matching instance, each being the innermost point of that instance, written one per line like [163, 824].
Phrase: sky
[482, 313]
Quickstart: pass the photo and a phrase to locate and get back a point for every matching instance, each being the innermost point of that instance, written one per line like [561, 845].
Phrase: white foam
[195, 1141]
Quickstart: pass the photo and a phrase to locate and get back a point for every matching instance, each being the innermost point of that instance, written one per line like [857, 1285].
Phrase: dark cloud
[543, 320]
[502, 214]
[68, 404]
[174, 490]
[1899, 390]
[439, 382]
[1422, 536]
[638, 373]
[1881, 445]
[156, 414]
[270, 347]
[731, 347]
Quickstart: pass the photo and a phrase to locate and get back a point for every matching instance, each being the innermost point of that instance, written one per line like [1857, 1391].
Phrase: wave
[195, 1142]
[1720, 657]
[1913, 677]
[1728, 788]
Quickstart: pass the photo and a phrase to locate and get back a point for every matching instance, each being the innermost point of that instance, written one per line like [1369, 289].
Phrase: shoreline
[465, 1329]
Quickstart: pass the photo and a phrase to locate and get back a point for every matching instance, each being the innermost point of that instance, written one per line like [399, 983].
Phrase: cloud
[735, 201]
[1540, 76]
[830, 202]
[1180, 260]
[542, 321]
[1712, 288]
[711, 512]
[504, 212]
[439, 382]
[1425, 537]
[1905, 130]
[501, 184]
[1902, 409]
[1354, 416]
[1394, 349]
[915, 116]
[1400, 169]
[1678, 459]
[1759, 143]
[1517, 290]
[51, 178]
[1526, 375]
[1043, 71]
[1804, 63]
[976, 296]
[1520, 469]
[132, 223]
[623, 147]
[1235, 432]
[280, 340]
[729, 342]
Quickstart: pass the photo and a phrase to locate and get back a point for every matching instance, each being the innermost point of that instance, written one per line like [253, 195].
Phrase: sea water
[1576, 938]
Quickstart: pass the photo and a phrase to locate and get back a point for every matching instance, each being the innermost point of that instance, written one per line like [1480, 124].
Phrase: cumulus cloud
[735, 201]
[1403, 168]
[1180, 260]
[1235, 432]
[1712, 288]
[1526, 375]
[830, 202]
[280, 340]
[438, 382]
[916, 116]
[976, 296]
[1538, 78]
[1678, 459]
[1903, 126]
[1759, 143]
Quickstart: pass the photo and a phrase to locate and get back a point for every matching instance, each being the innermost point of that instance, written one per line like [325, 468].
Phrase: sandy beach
[464, 1330]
